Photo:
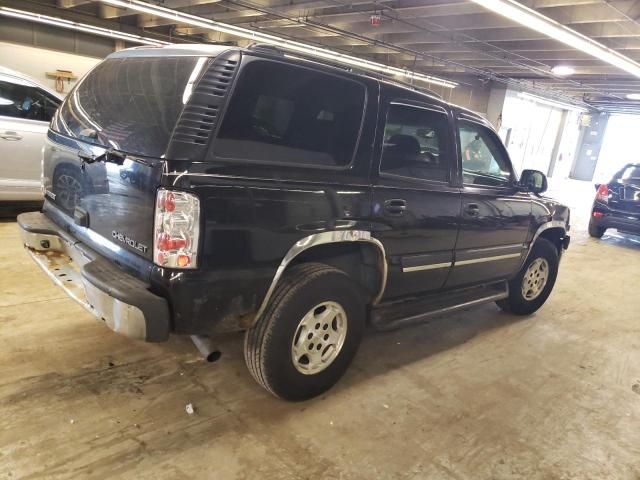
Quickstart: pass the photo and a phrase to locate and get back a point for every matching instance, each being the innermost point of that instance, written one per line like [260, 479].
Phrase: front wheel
[308, 334]
[532, 286]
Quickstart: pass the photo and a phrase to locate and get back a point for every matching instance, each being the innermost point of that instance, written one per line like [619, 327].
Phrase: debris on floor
[189, 408]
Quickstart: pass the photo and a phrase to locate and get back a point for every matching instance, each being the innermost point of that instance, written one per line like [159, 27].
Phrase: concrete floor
[477, 395]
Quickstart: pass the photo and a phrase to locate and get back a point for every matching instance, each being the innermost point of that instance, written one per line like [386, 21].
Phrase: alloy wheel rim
[535, 279]
[69, 190]
[319, 338]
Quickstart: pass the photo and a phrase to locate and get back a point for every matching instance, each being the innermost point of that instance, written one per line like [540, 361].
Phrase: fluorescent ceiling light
[563, 70]
[633, 96]
[551, 103]
[256, 36]
[535, 21]
[82, 27]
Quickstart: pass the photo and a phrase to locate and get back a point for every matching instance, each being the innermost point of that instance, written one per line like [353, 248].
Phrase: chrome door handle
[11, 136]
[395, 206]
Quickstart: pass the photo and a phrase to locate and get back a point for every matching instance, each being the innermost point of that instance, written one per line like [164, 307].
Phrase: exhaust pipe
[207, 348]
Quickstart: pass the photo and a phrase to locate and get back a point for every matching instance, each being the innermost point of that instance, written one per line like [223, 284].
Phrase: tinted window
[130, 104]
[282, 113]
[20, 99]
[631, 173]
[483, 162]
[416, 143]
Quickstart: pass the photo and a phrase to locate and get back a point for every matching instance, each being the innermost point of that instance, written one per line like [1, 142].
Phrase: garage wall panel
[53, 39]
[93, 46]
[35, 62]
[12, 30]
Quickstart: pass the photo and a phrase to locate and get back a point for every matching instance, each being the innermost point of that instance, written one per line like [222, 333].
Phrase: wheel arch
[338, 249]
[555, 236]
[554, 231]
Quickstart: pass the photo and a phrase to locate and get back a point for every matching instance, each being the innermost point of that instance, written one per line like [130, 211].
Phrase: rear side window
[130, 104]
[416, 143]
[20, 99]
[286, 114]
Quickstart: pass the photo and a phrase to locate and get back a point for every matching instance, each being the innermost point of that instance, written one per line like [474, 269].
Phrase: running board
[391, 316]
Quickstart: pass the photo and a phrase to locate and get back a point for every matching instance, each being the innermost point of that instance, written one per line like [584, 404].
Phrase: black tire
[516, 302]
[268, 344]
[595, 231]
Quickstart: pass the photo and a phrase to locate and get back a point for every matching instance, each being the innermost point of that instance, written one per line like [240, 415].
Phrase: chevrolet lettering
[129, 241]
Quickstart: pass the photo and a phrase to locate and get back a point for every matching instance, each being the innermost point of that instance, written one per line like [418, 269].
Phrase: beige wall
[36, 61]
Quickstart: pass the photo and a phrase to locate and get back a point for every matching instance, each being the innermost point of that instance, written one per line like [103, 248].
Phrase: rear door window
[282, 113]
[416, 143]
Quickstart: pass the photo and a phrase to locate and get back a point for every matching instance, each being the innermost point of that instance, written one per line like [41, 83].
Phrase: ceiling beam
[225, 13]
[488, 32]
[469, 16]
[71, 3]
[80, 17]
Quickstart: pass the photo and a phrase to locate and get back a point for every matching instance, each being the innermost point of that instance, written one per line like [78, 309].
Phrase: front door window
[483, 162]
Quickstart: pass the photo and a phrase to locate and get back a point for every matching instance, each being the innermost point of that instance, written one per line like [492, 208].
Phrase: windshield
[130, 104]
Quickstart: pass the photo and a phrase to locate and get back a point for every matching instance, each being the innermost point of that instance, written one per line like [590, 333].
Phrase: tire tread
[257, 336]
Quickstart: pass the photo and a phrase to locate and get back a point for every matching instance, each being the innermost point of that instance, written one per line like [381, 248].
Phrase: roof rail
[266, 47]
[273, 49]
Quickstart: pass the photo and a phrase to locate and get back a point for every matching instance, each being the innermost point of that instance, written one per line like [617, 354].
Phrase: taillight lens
[602, 194]
[176, 229]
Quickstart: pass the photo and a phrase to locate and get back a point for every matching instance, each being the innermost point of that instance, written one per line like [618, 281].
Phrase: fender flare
[323, 238]
[545, 226]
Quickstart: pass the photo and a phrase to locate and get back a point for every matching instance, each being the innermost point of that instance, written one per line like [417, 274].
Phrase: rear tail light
[602, 194]
[176, 229]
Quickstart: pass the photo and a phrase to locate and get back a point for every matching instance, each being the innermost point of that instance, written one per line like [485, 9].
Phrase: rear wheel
[532, 286]
[308, 334]
[596, 231]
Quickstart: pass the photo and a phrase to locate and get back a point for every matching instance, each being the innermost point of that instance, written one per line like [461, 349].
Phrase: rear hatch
[108, 143]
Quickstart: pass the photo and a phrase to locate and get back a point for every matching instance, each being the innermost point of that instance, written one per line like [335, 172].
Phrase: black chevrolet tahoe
[246, 189]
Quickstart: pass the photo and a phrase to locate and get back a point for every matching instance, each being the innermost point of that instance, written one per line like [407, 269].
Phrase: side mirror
[533, 181]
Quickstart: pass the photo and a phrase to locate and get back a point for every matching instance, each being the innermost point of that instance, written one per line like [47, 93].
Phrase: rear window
[130, 104]
[631, 173]
[286, 114]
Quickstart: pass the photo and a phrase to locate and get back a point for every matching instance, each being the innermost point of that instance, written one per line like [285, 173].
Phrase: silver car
[26, 108]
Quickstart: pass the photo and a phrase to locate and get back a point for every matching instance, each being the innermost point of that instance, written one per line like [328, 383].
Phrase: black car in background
[617, 203]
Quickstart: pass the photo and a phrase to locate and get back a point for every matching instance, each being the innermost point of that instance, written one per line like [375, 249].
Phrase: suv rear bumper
[122, 301]
[623, 221]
